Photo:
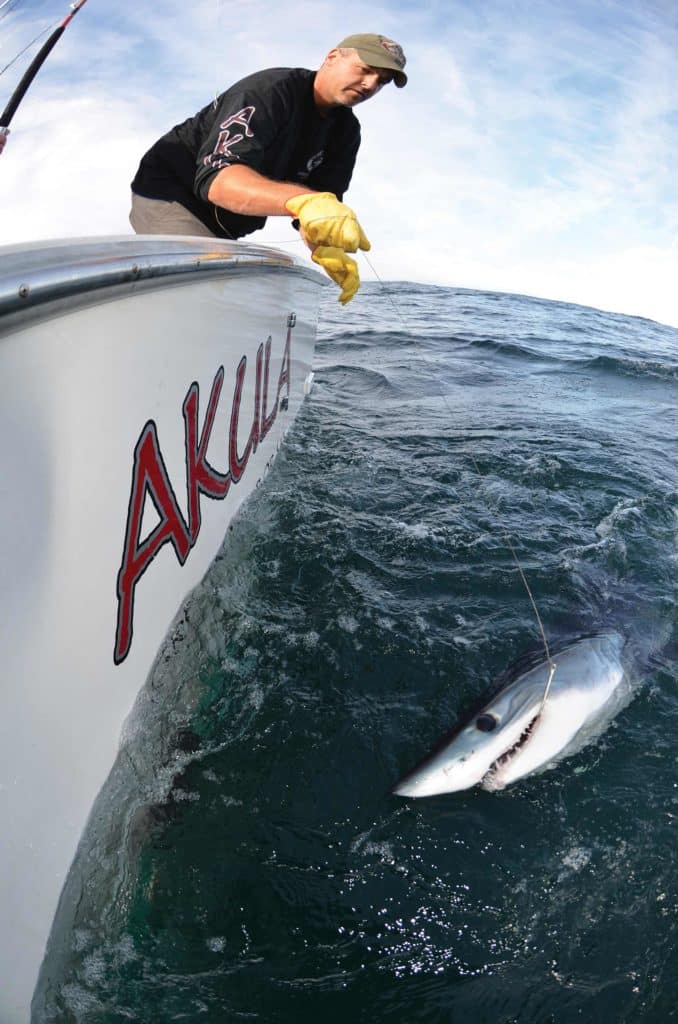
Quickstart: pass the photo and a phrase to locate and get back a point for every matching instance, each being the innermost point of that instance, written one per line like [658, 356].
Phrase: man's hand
[326, 222]
[4, 132]
[340, 267]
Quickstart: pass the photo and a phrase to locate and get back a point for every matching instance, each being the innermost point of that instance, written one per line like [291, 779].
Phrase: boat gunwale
[44, 278]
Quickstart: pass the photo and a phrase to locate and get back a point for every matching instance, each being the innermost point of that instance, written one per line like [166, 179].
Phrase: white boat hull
[135, 418]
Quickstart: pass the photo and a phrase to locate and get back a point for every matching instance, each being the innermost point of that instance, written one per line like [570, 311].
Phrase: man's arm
[4, 132]
[241, 189]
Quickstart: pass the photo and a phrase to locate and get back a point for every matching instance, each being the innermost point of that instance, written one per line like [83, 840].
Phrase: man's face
[347, 80]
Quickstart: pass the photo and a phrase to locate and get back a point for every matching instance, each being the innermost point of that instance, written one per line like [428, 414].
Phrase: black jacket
[269, 122]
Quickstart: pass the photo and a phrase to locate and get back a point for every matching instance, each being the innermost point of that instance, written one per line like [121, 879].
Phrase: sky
[534, 149]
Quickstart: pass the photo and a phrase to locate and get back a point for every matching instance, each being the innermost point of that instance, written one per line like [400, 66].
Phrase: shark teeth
[508, 754]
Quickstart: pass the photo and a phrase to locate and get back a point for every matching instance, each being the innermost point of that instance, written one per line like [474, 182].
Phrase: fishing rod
[35, 65]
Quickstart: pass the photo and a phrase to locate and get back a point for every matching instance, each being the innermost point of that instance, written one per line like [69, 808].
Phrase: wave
[505, 347]
[357, 379]
[628, 366]
[623, 364]
[367, 339]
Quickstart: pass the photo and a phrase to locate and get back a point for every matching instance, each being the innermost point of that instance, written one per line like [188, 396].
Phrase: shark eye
[486, 723]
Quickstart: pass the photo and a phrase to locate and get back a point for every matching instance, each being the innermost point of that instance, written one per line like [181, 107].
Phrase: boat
[146, 384]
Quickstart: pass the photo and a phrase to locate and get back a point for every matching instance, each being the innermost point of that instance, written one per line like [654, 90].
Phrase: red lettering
[268, 419]
[201, 477]
[149, 476]
[239, 462]
[285, 366]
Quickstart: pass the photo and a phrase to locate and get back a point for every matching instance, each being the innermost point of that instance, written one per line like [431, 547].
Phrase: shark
[547, 712]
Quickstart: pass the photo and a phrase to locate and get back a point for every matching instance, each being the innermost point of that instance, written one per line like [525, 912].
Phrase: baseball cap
[378, 52]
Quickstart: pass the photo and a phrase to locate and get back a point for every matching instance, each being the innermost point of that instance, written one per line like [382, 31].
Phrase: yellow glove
[327, 222]
[340, 267]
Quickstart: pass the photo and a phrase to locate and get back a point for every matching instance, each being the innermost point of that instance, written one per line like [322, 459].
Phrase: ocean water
[368, 596]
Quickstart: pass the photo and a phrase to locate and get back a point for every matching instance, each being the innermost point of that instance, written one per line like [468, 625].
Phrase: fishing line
[27, 46]
[229, 236]
[3, 5]
[507, 538]
[385, 290]
[35, 65]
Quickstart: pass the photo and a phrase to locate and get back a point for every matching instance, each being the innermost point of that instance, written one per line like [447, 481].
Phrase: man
[281, 142]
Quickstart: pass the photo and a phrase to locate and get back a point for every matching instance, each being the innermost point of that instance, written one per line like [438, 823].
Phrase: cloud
[534, 149]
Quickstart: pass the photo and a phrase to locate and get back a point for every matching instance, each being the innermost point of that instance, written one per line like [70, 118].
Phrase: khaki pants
[159, 217]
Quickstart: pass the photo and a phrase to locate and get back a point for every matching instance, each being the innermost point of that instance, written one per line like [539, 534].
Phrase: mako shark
[548, 712]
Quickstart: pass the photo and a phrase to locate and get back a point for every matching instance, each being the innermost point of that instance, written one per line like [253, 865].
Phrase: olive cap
[378, 52]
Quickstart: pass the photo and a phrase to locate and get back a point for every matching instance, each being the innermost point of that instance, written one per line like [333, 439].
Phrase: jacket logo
[311, 164]
[226, 140]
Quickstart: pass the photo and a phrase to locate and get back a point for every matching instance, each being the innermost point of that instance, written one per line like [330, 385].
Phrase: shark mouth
[489, 780]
